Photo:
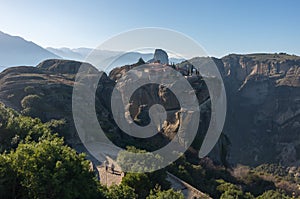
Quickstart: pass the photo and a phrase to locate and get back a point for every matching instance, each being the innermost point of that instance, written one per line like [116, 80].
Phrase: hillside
[263, 109]
[262, 123]
[262, 91]
[16, 51]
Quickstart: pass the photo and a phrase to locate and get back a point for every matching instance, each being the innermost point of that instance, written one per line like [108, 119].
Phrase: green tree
[139, 182]
[30, 101]
[46, 169]
[15, 128]
[257, 185]
[142, 182]
[271, 194]
[130, 162]
[8, 178]
[121, 191]
[231, 191]
[166, 194]
[31, 105]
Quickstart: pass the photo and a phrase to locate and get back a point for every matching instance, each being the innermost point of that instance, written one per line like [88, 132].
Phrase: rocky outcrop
[263, 93]
[52, 82]
[281, 67]
[263, 105]
[263, 110]
[63, 66]
[119, 72]
[142, 117]
[160, 56]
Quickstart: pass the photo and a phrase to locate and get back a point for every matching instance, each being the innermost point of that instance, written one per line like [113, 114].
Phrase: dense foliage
[46, 169]
[239, 182]
[36, 163]
[167, 194]
[142, 182]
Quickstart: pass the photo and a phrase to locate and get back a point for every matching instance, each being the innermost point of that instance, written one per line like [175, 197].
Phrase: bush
[272, 169]
[139, 182]
[256, 185]
[31, 105]
[271, 194]
[121, 191]
[16, 128]
[132, 162]
[167, 194]
[30, 101]
[229, 190]
[46, 169]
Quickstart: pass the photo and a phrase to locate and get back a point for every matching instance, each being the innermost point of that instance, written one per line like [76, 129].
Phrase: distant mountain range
[72, 54]
[16, 51]
[117, 57]
[112, 58]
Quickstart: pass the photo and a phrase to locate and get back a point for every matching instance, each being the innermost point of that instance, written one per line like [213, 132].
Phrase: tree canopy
[46, 169]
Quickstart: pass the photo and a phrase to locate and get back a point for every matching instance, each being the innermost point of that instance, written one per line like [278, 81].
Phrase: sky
[220, 27]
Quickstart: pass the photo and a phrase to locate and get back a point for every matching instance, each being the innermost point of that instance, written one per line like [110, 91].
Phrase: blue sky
[221, 27]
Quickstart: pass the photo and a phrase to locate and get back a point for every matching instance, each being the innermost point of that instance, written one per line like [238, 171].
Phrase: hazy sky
[221, 27]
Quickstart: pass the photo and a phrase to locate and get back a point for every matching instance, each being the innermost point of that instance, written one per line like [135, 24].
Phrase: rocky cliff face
[262, 121]
[263, 92]
[160, 56]
[45, 91]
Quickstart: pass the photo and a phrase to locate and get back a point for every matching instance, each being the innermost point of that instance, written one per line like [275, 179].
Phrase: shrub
[271, 194]
[167, 194]
[121, 191]
[46, 169]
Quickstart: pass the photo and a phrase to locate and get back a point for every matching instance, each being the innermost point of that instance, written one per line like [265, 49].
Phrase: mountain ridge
[15, 50]
[80, 54]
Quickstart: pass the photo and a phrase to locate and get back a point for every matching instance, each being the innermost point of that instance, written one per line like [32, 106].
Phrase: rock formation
[263, 107]
[263, 93]
[52, 82]
[160, 56]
